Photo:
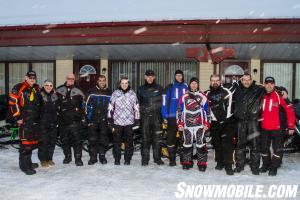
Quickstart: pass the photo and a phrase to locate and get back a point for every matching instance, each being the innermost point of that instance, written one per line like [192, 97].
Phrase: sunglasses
[71, 79]
[32, 78]
[48, 85]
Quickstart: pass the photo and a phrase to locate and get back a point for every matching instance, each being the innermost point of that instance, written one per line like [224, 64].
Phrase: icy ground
[111, 182]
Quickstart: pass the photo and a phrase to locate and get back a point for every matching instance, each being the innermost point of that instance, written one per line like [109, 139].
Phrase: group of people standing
[240, 115]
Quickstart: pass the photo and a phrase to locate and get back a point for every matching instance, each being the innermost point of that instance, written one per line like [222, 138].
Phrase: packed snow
[122, 182]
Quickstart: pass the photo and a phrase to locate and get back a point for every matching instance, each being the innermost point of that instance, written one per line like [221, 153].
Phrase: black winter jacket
[248, 101]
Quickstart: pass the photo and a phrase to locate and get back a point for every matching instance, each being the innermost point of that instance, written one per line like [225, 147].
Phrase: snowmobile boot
[25, 163]
[29, 171]
[219, 166]
[229, 170]
[191, 165]
[127, 162]
[35, 165]
[92, 161]
[202, 168]
[45, 164]
[67, 159]
[185, 167]
[145, 163]
[51, 163]
[102, 159]
[172, 156]
[273, 172]
[117, 162]
[238, 169]
[255, 171]
[172, 163]
[159, 162]
[68, 155]
[157, 154]
[264, 169]
[78, 162]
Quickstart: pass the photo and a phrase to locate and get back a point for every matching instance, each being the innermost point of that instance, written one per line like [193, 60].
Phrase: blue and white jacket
[171, 96]
[96, 106]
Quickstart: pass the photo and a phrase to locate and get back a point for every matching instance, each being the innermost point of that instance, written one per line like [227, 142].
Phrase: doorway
[86, 73]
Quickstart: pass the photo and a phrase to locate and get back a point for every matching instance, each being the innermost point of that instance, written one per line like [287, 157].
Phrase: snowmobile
[8, 129]
[292, 143]
[9, 135]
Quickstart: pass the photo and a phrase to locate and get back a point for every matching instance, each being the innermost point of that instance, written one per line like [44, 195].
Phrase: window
[87, 69]
[190, 69]
[121, 69]
[44, 71]
[2, 78]
[164, 72]
[283, 74]
[17, 72]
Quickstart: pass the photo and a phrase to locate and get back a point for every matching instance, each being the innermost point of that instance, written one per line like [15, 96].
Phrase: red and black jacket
[271, 104]
[24, 102]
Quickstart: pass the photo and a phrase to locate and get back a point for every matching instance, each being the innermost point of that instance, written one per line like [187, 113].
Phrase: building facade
[262, 47]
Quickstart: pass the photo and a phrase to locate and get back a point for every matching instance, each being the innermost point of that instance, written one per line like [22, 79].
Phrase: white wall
[63, 67]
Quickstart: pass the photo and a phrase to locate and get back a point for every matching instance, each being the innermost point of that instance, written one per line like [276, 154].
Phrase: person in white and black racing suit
[193, 120]
[222, 123]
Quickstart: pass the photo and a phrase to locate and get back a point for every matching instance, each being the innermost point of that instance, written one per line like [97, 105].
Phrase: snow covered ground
[121, 182]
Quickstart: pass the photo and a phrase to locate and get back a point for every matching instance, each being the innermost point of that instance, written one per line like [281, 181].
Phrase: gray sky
[21, 12]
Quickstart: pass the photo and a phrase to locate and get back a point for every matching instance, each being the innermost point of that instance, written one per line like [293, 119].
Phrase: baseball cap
[149, 72]
[31, 73]
[269, 79]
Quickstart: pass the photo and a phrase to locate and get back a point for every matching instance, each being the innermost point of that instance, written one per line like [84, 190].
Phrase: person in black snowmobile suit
[150, 96]
[24, 109]
[222, 123]
[96, 108]
[247, 111]
[71, 114]
[48, 124]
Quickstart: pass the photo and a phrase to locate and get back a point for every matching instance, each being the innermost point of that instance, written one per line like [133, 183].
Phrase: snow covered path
[121, 182]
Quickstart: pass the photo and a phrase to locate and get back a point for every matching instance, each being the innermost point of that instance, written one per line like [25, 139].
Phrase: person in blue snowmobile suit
[171, 96]
[96, 109]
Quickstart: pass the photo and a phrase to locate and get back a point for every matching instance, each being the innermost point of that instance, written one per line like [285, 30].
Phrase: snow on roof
[15, 12]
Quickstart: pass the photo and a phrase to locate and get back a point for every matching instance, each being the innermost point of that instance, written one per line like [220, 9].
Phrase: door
[233, 70]
[86, 74]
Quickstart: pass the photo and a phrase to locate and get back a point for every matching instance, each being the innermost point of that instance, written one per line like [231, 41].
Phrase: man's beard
[215, 86]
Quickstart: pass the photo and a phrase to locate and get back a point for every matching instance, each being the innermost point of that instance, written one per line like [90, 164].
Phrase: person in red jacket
[271, 128]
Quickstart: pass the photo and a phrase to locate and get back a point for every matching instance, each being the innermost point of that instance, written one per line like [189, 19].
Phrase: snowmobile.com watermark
[235, 191]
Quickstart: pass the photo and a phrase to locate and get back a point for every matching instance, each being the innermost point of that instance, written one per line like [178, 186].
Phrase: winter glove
[291, 132]
[165, 124]
[180, 128]
[84, 122]
[110, 123]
